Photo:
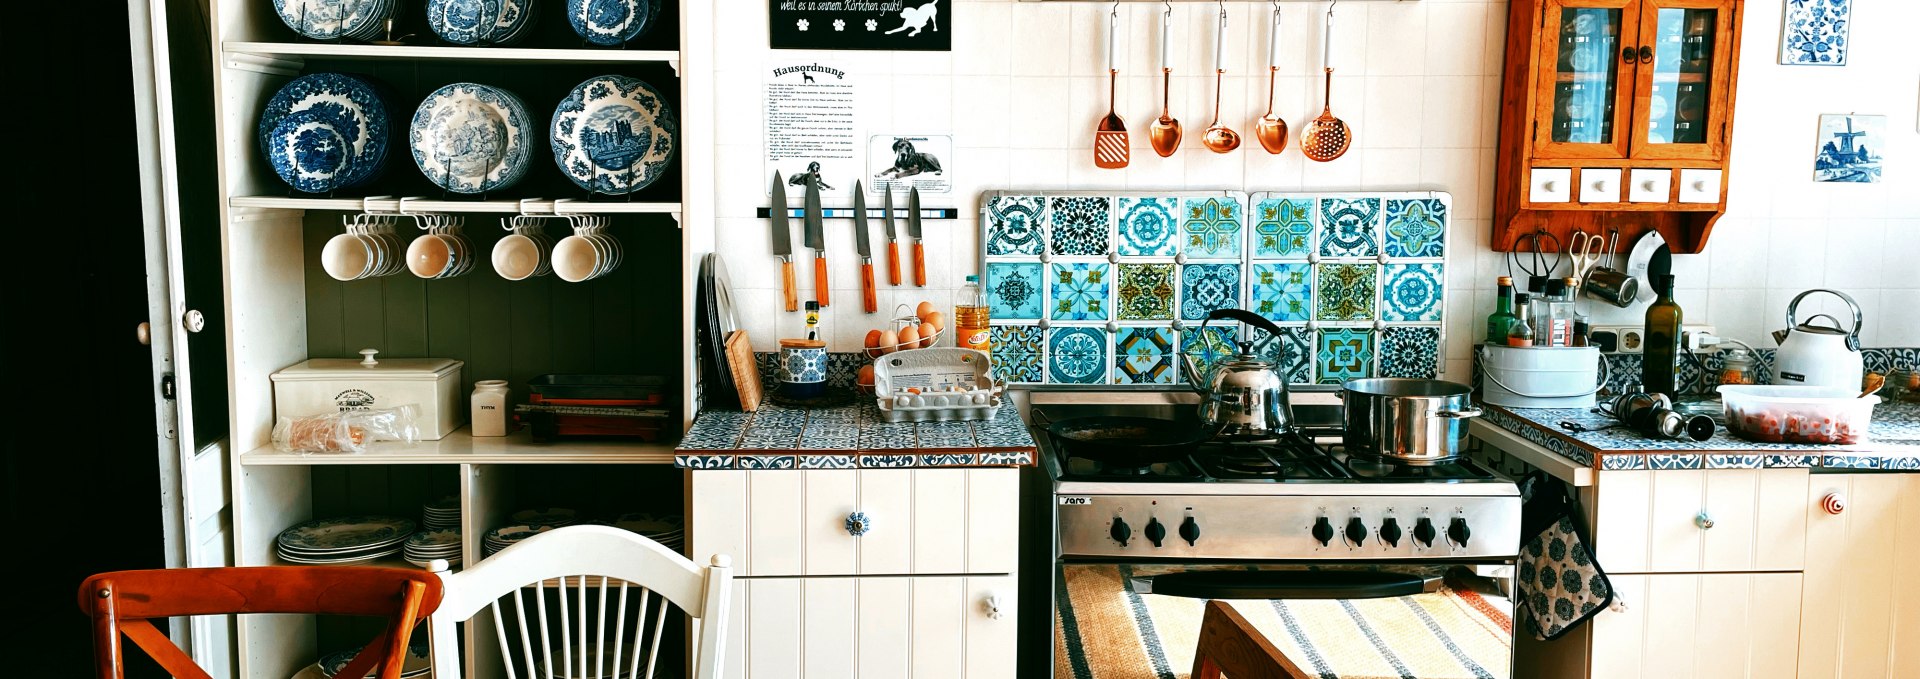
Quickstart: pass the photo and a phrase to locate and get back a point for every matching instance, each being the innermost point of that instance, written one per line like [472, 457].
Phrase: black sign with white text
[904, 25]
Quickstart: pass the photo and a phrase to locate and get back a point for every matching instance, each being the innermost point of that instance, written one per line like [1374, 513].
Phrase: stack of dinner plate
[669, 531]
[472, 138]
[481, 22]
[418, 664]
[441, 514]
[425, 546]
[336, 19]
[326, 131]
[343, 540]
[506, 536]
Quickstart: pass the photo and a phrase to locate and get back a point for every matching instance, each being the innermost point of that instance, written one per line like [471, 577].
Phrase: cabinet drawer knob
[858, 524]
[1703, 520]
[1834, 503]
[992, 606]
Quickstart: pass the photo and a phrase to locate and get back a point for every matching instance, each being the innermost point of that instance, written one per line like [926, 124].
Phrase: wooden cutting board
[746, 372]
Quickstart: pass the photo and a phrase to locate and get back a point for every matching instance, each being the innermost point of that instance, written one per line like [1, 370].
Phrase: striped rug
[1105, 631]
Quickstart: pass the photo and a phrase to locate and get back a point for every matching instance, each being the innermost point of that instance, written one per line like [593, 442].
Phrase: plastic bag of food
[347, 431]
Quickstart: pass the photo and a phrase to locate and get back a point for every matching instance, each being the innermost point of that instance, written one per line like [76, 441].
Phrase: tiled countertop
[1892, 443]
[849, 437]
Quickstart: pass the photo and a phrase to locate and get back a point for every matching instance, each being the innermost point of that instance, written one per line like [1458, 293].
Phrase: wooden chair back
[577, 578]
[122, 603]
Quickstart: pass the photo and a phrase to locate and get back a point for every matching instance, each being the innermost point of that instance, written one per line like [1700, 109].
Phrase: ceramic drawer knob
[992, 604]
[858, 524]
[1834, 503]
[194, 321]
[1703, 520]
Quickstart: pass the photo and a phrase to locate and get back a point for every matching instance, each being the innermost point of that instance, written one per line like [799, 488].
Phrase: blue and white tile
[1080, 225]
[888, 436]
[1792, 461]
[1900, 462]
[830, 436]
[1736, 461]
[888, 461]
[1343, 354]
[1212, 228]
[1282, 292]
[1350, 227]
[1017, 352]
[764, 462]
[1850, 461]
[1144, 356]
[1080, 291]
[1015, 290]
[1284, 228]
[1416, 228]
[1013, 225]
[1149, 227]
[827, 462]
[1815, 32]
[770, 438]
[1001, 435]
[1293, 353]
[1017, 459]
[1206, 287]
[709, 433]
[1660, 461]
[1623, 462]
[1207, 346]
[703, 461]
[1410, 352]
[945, 435]
[947, 460]
[1077, 356]
[1412, 292]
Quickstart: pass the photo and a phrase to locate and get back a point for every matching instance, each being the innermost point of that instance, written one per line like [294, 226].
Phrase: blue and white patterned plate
[463, 22]
[352, 105]
[346, 534]
[309, 153]
[611, 22]
[335, 19]
[471, 138]
[516, 18]
[613, 134]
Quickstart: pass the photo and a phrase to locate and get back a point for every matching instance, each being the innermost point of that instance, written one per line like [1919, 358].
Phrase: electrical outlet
[1699, 338]
[1632, 338]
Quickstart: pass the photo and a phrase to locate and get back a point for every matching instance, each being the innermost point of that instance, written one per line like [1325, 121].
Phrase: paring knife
[868, 298]
[783, 243]
[913, 231]
[810, 220]
[893, 242]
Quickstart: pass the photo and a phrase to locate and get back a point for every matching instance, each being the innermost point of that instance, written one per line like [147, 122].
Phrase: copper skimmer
[1110, 150]
[1165, 133]
[1326, 137]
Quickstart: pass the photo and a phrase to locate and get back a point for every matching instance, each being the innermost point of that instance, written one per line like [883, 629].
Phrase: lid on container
[368, 368]
[802, 344]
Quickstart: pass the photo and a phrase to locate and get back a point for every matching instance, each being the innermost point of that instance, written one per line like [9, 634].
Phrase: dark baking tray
[603, 387]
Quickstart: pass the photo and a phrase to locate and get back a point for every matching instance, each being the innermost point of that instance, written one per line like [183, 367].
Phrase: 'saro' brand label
[1076, 500]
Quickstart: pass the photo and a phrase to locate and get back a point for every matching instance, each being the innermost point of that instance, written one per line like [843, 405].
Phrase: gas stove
[1299, 497]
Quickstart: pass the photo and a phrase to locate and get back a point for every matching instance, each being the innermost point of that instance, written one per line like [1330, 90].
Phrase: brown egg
[865, 376]
[909, 337]
[924, 309]
[935, 319]
[873, 341]
[887, 341]
[927, 333]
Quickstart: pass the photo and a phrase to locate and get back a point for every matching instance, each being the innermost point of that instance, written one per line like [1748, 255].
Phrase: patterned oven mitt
[1560, 585]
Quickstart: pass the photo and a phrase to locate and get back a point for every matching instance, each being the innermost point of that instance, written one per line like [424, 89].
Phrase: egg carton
[940, 384]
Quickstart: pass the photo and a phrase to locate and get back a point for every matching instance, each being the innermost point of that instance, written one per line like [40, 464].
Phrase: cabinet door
[1681, 94]
[1860, 615]
[1585, 86]
[1703, 626]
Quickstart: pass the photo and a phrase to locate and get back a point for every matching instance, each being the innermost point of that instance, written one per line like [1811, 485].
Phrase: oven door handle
[1281, 584]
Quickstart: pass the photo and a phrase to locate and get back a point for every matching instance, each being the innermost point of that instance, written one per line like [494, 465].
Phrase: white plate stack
[506, 536]
[418, 663]
[669, 531]
[343, 540]
[441, 514]
[425, 546]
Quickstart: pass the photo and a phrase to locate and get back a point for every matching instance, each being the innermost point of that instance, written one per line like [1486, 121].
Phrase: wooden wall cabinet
[1615, 114]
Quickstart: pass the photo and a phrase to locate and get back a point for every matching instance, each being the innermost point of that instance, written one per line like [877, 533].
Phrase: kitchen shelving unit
[279, 309]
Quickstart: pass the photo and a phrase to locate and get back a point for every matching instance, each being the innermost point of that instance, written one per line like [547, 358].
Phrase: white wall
[1419, 82]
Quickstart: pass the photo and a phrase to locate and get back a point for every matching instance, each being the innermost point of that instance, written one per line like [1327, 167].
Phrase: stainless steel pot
[1407, 421]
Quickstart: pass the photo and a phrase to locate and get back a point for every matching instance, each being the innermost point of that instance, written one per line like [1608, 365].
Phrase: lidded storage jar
[324, 385]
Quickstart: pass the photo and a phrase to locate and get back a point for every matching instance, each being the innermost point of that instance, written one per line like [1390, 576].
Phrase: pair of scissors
[1585, 248]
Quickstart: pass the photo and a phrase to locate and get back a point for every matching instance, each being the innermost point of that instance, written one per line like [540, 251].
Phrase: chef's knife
[816, 239]
[783, 243]
[893, 242]
[867, 295]
[913, 231]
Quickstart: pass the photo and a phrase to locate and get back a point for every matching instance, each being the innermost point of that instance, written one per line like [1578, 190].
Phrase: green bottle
[1500, 323]
[1663, 342]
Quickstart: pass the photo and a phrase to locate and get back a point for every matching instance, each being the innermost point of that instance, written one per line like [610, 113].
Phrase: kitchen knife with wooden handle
[893, 242]
[869, 299]
[919, 244]
[783, 243]
[810, 221]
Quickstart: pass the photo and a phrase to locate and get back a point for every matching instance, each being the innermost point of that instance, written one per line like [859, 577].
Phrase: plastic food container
[1789, 414]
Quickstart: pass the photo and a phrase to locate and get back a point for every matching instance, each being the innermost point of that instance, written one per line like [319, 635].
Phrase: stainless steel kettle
[1245, 397]
[1819, 356]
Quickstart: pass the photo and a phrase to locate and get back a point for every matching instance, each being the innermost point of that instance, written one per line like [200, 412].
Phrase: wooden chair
[1230, 644]
[573, 563]
[122, 602]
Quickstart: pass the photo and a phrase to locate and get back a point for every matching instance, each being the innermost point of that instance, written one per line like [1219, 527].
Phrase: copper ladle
[1326, 137]
[1271, 130]
[1165, 132]
[1218, 138]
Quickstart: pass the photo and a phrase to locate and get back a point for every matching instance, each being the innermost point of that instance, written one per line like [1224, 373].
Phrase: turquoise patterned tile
[1212, 228]
[1014, 290]
[1077, 356]
[1284, 229]
[1343, 354]
[1416, 228]
[1017, 351]
[1146, 292]
[1412, 292]
[1082, 291]
[1283, 292]
[1148, 227]
[1410, 352]
[1206, 287]
[1349, 227]
[1207, 346]
[1345, 291]
[1293, 353]
[1080, 225]
[1013, 225]
[1144, 356]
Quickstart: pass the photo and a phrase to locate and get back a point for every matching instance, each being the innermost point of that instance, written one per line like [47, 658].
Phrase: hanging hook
[1223, 8]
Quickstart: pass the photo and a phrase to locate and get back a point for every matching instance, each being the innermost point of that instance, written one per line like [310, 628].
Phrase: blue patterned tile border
[1673, 461]
[827, 462]
[1745, 461]
[764, 462]
[888, 461]
[1618, 449]
[855, 428]
[1850, 461]
[1901, 462]
[950, 460]
[1792, 461]
[703, 461]
[1622, 462]
[1017, 459]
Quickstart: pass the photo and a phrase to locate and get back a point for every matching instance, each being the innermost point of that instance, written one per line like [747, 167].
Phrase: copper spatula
[1110, 150]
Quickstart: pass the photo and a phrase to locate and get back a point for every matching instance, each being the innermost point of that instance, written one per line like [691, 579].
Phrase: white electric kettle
[1819, 356]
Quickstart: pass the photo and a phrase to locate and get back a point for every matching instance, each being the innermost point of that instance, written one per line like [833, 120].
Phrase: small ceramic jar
[803, 368]
[490, 408]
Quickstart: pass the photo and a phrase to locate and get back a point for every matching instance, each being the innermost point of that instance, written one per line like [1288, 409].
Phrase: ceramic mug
[803, 368]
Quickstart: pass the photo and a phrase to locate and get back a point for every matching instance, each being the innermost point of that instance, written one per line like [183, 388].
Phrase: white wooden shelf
[539, 206]
[461, 447]
[304, 50]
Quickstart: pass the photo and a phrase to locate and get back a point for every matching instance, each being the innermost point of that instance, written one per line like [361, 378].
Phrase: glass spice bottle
[1737, 367]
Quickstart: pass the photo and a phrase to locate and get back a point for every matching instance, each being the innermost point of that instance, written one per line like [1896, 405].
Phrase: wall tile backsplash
[1418, 82]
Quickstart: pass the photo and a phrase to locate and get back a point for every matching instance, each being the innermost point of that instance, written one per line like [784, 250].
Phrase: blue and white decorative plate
[346, 533]
[613, 134]
[611, 22]
[516, 17]
[463, 22]
[471, 138]
[351, 105]
[335, 19]
[309, 153]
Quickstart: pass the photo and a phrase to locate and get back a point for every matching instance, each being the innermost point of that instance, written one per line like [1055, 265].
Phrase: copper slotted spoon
[1326, 137]
[1110, 149]
[1219, 138]
[1165, 133]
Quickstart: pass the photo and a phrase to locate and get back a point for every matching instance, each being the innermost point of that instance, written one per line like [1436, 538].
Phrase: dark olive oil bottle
[1662, 363]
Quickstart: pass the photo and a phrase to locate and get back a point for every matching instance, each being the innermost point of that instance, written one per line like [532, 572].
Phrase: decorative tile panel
[1014, 290]
[1080, 225]
[1013, 225]
[1349, 227]
[1212, 228]
[1146, 292]
[1284, 229]
[1148, 227]
[1018, 351]
[1206, 287]
[827, 462]
[1144, 356]
[1282, 292]
[1081, 291]
[1293, 352]
[1815, 32]
[1206, 346]
[1416, 228]
[1344, 354]
[1412, 292]
[764, 462]
[1077, 356]
[1410, 352]
[1346, 292]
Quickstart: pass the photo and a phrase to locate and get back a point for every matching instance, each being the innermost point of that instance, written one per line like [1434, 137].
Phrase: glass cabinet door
[1680, 57]
[1584, 94]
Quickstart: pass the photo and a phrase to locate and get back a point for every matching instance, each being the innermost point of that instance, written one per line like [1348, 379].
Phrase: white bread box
[325, 385]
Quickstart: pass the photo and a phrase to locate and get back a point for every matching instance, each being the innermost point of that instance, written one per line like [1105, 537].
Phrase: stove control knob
[1120, 531]
[1458, 532]
[1323, 531]
[1156, 531]
[1423, 531]
[1190, 531]
[1390, 531]
[1356, 531]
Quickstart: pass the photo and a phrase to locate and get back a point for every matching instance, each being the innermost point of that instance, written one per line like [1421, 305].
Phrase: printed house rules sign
[904, 25]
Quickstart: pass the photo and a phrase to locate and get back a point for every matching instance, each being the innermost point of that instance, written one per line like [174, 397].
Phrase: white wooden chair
[574, 563]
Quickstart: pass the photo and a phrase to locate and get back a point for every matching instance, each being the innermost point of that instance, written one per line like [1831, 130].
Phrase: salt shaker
[490, 408]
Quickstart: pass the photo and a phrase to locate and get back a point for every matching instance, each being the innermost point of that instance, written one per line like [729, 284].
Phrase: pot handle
[1459, 414]
[1853, 336]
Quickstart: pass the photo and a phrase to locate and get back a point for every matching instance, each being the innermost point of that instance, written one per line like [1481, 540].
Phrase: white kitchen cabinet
[1694, 520]
[1860, 608]
[1700, 626]
[885, 627]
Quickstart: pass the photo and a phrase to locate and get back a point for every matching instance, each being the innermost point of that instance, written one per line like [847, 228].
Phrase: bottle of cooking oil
[970, 316]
